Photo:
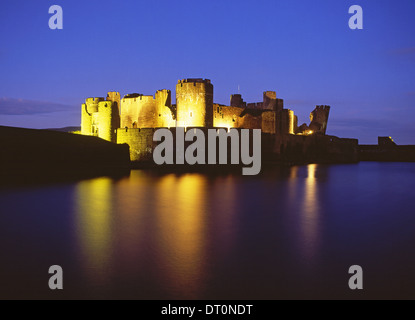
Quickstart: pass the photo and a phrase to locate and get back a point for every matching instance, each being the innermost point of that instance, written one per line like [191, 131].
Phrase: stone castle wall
[141, 111]
[140, 142]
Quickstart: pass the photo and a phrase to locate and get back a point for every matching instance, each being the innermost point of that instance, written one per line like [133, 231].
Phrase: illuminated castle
[134, 118]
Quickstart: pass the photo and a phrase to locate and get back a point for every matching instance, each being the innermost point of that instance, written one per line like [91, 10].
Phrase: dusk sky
[302, 49]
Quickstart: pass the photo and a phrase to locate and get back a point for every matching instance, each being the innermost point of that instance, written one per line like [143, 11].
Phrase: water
[292, 232]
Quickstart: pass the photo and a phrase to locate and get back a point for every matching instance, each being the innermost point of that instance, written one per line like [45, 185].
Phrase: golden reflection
[292, 184]
[309, 219]
[133, 199]
[93, 226]
[181, 220]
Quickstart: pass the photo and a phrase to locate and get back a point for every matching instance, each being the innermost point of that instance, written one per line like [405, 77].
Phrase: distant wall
[314, 149]
[387, 150]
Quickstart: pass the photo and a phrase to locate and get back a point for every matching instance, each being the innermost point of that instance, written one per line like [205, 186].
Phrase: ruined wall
[115, 97]
[147, 112]
[319, 118]
[129, 111]
[194, 103]
[138, 111]
[270, 100]
[249, 121]
[226, 117]
[236, 117]
[164, 111]
[140, 142]
[237, 101]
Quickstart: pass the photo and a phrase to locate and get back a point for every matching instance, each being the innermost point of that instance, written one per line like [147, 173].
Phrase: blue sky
[304, 50]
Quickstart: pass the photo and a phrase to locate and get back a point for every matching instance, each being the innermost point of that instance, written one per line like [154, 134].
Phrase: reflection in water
[225, 208]
[94, 210]
[158, 227]
[132, 201]
[181, 214]
[292, 184]
[310, 214]
[151, 236]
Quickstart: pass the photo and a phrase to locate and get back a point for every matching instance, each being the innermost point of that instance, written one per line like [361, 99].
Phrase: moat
[291, 232]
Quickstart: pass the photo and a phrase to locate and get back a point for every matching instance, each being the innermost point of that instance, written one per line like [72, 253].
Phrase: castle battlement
[137, 95]
[194, 80]
[94, 99]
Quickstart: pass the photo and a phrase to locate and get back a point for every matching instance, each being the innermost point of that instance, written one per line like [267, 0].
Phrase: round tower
[194, 103]
[88, 108]
[107, 113]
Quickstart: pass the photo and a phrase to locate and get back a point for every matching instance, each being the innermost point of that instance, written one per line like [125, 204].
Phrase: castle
[134, 118]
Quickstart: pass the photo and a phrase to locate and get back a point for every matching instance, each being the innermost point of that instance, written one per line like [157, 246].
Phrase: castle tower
[100, 118]
[319, 118]
[237, 101]
[270, 100]
[88, 109]
[107, 120]
[285, 122]
[115, 98]
[194, 103]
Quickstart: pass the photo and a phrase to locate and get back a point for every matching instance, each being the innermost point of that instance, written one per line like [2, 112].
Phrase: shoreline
[32, 156]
